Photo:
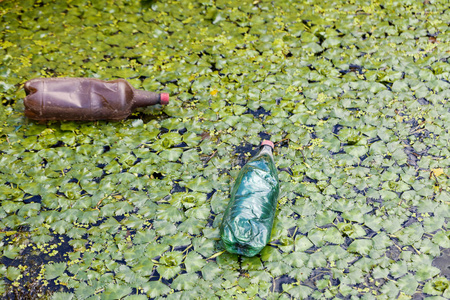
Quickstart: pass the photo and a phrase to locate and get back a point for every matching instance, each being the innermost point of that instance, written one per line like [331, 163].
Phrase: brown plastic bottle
[85, 99]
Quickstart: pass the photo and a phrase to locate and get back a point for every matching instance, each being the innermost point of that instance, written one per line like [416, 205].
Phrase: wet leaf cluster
[355, 95]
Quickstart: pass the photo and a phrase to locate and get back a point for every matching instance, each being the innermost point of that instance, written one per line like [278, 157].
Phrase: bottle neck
[144, 98]
[266, 149]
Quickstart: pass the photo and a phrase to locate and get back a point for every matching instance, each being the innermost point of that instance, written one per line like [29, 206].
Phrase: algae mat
[355, 94]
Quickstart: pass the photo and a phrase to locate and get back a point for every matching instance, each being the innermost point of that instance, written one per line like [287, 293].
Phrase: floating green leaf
[116, 291]
[62, 296]
[12, 273]
[170, 264]
[408, 284]
[156, 289]
[11, 251]
[437, 286]
[54, 270]
[194, 262]
[361, 246]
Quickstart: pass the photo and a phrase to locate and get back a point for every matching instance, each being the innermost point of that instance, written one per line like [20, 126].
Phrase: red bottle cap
[268, 143]
[164, 98]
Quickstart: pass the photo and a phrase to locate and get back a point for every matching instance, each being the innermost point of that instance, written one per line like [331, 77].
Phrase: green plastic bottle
[248, 219]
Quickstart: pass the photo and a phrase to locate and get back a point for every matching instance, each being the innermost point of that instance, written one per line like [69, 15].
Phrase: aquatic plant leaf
[156, 289]
[194, 262]
[302, 243]
[84, 291]
[408, 284]
[62, 296]
[10, 251]
[170, 264]
[425, 272]
[126, 274]
[185, 281]
[115, 291]
[136, 297]
[299, 291]
[12, 273]
[360, 246]
[54, 270]
[200, 184]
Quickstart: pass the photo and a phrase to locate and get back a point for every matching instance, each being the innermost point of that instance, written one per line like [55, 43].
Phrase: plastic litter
[248, 219]
[85, 99]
